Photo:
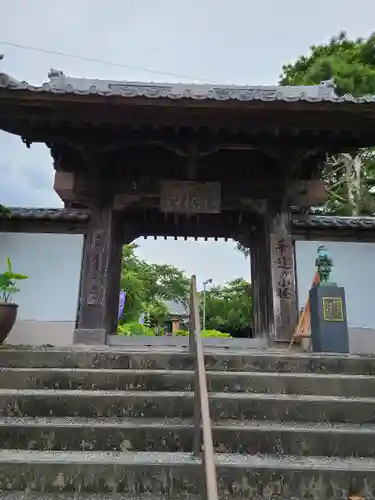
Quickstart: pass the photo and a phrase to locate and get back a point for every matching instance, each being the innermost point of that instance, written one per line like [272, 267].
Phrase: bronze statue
[323, 264]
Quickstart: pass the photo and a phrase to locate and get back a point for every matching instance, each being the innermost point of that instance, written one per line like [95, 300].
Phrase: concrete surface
[29, 332]
[61, 333]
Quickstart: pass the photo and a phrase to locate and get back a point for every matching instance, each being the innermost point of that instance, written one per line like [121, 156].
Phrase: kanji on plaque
[187, 197]
[95, 266]
[284, 269]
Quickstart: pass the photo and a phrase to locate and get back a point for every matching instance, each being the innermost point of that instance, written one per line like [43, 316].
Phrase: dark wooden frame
[315, 232]
[262, 149]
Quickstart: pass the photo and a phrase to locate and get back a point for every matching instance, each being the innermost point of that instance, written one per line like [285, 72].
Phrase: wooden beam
[330, 127]
[151, 192]
[84, 185]
[306, 193]
[153, 223]
[64, 185]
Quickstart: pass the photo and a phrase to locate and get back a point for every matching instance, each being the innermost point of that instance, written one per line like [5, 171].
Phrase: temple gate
[186, 161]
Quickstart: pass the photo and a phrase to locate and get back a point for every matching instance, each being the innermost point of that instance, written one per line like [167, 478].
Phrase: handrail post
[193, 350]
[201, 403]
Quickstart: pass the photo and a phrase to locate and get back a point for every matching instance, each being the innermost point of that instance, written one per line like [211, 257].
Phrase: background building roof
[176, 308]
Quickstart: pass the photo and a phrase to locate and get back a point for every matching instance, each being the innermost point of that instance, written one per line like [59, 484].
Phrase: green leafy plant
[216, 334]
[204, 334]
[8, 282]
[134, 329]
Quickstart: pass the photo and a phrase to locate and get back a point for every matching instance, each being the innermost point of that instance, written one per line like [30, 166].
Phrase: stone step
[182, 380]
[93, 357]
[168, 404]
[172, 359]
[85, 403]
[289, 408]
[177, 474]
[294, 438]
[96, 379]
[176, 435]
[97, 434]
[26, 495]
[282, 362]
[292, 383]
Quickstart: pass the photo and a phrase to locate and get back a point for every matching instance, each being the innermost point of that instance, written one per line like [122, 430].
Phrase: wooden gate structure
[165, 159]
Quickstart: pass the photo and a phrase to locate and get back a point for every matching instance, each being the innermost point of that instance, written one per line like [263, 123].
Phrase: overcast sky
[221, 41]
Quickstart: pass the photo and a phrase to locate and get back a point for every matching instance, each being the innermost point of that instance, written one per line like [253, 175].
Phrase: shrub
[205, 334]
[135, 329]
[181, 333]
[215, 334]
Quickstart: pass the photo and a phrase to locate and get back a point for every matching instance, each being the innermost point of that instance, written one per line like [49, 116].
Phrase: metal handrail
[202, 418]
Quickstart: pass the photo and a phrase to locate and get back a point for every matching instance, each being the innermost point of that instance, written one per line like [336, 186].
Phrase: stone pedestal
[329, 327]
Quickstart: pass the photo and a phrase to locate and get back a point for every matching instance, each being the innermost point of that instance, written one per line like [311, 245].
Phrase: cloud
[237, 42]
[26, 174]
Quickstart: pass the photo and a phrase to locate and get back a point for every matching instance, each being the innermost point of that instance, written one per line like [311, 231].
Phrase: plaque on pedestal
[329, 327]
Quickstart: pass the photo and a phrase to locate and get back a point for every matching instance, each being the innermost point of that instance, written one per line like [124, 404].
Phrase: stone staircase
[89, 423]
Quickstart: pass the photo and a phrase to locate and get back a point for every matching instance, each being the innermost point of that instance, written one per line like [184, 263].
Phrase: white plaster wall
[48, 298]
[354, 269]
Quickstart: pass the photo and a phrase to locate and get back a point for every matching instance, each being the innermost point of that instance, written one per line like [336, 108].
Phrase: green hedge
[134, 329]
[205, 333]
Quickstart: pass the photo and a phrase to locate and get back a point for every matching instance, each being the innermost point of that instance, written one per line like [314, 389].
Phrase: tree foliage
[350, 180]
[147, 286]
[350, 177]
[229, 307]
[4, 211]
[351, 63]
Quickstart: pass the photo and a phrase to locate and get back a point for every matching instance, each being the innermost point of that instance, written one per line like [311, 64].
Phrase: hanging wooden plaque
[188, 197]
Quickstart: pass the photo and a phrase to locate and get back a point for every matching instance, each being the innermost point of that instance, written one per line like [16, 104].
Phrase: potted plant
[8, 309]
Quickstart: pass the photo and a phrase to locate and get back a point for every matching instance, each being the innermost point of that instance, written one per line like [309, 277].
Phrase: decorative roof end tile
[59, 83]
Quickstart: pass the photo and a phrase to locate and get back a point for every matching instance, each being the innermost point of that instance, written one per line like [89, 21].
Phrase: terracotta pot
[8, 315]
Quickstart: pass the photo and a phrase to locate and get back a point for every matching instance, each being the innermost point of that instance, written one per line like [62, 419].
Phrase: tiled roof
[60, 84]
[305, 222]
[50, 214]
[334, 222]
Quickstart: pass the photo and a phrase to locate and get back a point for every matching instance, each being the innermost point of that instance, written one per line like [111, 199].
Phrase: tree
[229, 308]
[350, 177]
[244, 250]
[351, 63]
[148, 286]
[4, 211]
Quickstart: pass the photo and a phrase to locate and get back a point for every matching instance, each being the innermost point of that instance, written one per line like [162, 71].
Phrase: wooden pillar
[273, 278]
[254, 263]
[261, 281]
[100, 277]
[283, 277]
